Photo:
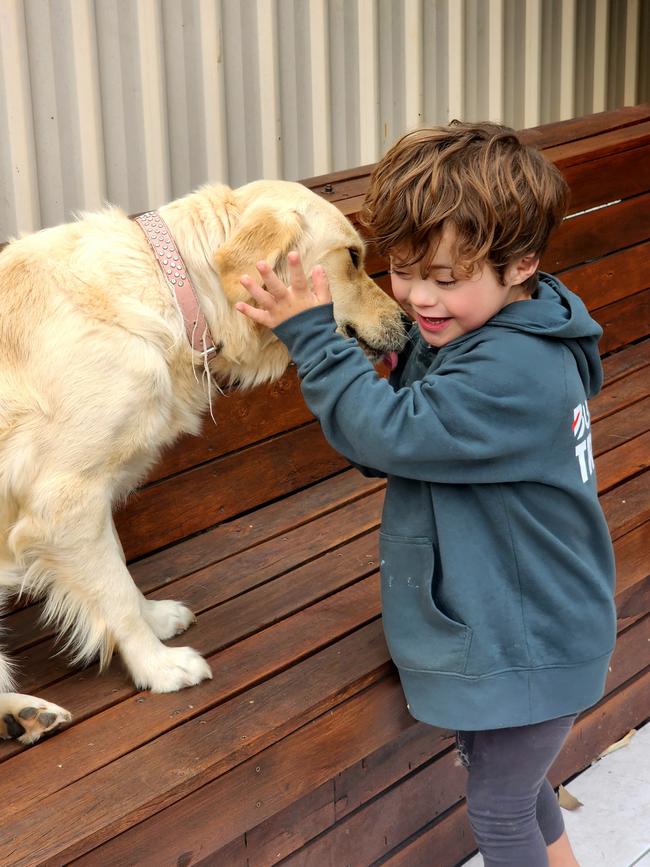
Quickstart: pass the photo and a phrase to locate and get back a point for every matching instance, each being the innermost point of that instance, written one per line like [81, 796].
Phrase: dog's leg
[166, 617]
[91, 594]
[27, 718]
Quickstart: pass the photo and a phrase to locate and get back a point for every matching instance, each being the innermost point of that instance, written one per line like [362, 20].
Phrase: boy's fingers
[320, 284]
[274, 286]
[296, 272]
[259, 293]
[254, 313]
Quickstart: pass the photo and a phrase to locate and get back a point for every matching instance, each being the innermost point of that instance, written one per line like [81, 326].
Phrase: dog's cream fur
[97, 375]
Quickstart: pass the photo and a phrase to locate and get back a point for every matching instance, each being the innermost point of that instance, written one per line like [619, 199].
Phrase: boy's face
[445, 305]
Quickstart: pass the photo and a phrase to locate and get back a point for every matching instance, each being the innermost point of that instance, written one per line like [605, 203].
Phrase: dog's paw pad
[28, 723]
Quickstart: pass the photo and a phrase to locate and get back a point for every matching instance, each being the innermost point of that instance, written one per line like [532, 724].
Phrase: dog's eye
[355, 256]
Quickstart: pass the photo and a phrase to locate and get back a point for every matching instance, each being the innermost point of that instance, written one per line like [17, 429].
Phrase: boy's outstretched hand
[279, 302]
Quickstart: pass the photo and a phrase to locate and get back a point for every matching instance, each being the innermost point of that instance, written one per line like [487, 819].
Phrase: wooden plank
[624, 321]
[217, 543]
[238, 534]
[627, 506]
[242, 419]
[616, 176]
[598, 233]
[612, 278]
[561, 132]
[621, 427]
[158, 714]
[190, 756]
[624, 462]
[626, 360]
[57, 754]
[593, 149]
[633, 573]
[362, 782]
[202, 497]
[286, 831]
[264, 784]
[282, 833]
[450, 838]
[375, 830]
[619, 395]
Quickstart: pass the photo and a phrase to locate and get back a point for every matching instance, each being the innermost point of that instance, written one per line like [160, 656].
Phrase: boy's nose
[421, 294]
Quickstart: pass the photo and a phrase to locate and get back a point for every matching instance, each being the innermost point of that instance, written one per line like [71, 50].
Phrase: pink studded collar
[171, 264]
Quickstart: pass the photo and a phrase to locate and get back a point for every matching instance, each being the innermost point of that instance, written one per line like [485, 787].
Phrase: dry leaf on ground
[618, 744]
[567, 800]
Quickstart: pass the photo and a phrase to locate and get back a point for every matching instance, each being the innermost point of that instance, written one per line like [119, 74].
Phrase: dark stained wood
[614, 430]
[625, 462]
[624, 321]
[610, 178]
[633, 572]
[208, 494]
[592, 150]
[598, 233]
[183, 760]
[240, 422]
[613, 278]
[380, 825]
[626, 361]
[564, 131]
[261, 786]
[627, 506]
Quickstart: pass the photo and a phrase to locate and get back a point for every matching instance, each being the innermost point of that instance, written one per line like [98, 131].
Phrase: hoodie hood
[557, 313]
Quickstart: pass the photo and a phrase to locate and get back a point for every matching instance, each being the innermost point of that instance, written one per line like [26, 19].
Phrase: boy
[497, 567]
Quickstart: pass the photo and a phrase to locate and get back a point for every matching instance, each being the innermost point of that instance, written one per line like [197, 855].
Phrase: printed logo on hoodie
[581, 431]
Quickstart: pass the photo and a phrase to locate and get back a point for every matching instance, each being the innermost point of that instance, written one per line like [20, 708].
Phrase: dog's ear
[262, 234]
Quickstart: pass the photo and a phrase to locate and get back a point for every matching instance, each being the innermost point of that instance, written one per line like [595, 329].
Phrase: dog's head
[275, 217]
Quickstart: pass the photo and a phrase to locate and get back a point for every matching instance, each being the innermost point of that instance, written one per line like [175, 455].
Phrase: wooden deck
[300, 751]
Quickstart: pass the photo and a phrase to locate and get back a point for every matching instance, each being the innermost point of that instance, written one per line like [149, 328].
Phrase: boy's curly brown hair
[502, 197]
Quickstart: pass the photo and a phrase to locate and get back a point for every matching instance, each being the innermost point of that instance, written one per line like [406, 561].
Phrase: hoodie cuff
[308, 334]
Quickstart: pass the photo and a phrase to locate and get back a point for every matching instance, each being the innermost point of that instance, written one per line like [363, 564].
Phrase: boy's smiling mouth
[433, 323]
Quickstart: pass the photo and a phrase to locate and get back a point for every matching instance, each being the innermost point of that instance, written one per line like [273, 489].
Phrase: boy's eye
[446, 282]
[398, 273]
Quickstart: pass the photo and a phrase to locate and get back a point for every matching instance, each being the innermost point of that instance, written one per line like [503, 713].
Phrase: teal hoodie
[497, 569]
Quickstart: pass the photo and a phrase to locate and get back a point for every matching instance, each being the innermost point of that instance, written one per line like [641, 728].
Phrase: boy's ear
[524, 268]
[261, 234]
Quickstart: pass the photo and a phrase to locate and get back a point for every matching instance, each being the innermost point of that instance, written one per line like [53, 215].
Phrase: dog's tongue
[390, 360]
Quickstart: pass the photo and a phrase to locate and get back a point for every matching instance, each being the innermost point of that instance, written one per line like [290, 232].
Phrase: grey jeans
[511, 805]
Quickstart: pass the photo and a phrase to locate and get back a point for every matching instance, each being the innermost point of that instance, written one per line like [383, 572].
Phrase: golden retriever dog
[98, 373]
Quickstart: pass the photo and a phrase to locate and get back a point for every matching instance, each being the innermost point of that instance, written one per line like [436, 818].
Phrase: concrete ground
[612, 828]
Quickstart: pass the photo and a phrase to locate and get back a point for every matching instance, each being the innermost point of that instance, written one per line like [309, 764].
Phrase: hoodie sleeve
[481, 417]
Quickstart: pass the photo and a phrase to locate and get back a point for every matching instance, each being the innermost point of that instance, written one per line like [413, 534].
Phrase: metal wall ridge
[136, 102]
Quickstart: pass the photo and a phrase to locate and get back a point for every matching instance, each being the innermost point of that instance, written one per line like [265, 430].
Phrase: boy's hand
[279, 302]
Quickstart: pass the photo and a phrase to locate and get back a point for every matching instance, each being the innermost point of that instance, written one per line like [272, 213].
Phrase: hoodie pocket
[418, 634]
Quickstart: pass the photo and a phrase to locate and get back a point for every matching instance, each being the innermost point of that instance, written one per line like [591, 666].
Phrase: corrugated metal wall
[139, 101]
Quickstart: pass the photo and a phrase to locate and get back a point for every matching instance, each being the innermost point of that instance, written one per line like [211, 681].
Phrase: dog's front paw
[167, 618]
[173, 668]
[26, 718]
